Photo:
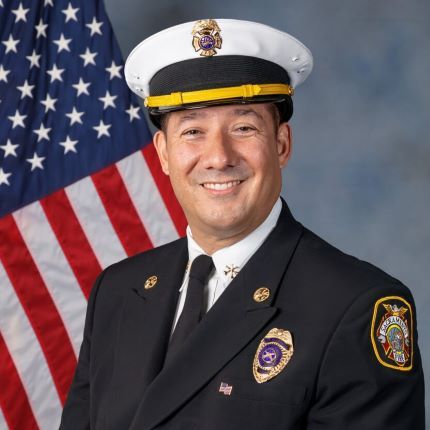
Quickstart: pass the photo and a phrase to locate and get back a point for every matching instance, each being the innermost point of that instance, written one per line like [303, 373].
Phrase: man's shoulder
[335, 260]
[143, 265]
[339, 275]
[160, 253]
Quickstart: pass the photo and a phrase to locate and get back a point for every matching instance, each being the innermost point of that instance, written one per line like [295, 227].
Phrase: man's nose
[218, 152]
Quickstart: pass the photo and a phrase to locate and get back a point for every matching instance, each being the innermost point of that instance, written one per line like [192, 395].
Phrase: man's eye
[245, 128]
[191, 132]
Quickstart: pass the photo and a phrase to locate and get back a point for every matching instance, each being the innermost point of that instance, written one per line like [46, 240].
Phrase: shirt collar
[230, 260]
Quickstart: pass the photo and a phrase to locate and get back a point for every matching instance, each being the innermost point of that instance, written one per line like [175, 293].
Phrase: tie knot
[201, 268]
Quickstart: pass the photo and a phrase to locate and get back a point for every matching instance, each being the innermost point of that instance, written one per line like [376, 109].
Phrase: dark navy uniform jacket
[339, 376]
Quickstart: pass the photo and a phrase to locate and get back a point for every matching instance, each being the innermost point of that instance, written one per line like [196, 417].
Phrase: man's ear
[284, 144]
[160, 143]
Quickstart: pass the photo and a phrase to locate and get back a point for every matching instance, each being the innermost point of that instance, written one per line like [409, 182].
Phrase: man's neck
[211, 242]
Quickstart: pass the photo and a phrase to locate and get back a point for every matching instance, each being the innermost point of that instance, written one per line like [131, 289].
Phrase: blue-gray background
[360, 171]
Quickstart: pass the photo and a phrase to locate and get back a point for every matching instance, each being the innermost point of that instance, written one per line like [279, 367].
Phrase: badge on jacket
[392, 333]
[273, 354]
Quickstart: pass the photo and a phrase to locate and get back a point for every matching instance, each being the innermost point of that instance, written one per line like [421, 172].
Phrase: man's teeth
[219, 186]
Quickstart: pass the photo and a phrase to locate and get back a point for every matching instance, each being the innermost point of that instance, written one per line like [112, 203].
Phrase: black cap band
[216, 72]
[219, 72]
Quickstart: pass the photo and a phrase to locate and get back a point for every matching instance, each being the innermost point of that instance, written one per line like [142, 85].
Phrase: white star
[34, 59]
[114, 70]
[62, 43]
[69, 145]
[3, 73]
[55, 73]
[49, 103]
[75, 116]
[42, 132]
[11, 44]
[17, 119]
[94, 26]
[20, 13]
[70, 13]
[9, 148]
[102, 129]
[41, 29]
[82, 87]
[108, 100]
[88, 57]
[4, 177]
[48, 3]
[26, 89]
[36, 162]
[1, 3]
[133, 112]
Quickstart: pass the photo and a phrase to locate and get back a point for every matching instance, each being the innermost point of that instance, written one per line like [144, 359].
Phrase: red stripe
[38, 305]
[72, 239]
[13, 400]
[165, 189]
[121, 210]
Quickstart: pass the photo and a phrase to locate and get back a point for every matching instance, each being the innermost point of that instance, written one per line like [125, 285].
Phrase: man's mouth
[220, 186]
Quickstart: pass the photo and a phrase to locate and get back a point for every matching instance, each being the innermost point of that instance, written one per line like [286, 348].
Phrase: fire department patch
[392, 333]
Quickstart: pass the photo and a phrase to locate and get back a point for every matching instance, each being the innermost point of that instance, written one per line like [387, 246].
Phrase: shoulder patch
[392, 333]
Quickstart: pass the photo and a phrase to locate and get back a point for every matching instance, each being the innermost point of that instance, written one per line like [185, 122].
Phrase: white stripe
[3, 425]
[28, 357]
[94, 221]
[146, 198]
[54, 269]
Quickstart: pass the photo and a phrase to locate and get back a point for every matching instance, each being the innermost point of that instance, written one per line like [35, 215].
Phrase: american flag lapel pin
[225, 389]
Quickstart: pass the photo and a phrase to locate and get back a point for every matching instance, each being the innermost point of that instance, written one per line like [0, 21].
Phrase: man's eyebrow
[186, 116]
[247, 111]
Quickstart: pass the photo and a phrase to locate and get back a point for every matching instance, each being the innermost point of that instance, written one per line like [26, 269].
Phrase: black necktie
[193, 310]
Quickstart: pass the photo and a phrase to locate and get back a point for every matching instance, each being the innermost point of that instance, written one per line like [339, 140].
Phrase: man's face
[225, 166]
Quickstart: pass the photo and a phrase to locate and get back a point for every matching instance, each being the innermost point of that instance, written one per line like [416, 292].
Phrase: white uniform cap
[205, 54]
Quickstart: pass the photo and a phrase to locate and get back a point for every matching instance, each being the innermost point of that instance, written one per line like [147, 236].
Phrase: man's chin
[225, 225]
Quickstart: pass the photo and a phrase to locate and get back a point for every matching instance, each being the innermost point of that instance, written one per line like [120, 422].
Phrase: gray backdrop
[360, 171]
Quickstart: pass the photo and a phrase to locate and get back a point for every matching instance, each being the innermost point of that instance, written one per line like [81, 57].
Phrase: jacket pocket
[271, 391]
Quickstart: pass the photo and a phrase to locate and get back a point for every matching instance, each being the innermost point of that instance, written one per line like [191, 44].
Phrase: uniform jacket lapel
[146, 323]
[227, 328]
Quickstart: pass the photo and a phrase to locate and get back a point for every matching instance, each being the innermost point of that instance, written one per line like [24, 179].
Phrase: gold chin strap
[244, 91]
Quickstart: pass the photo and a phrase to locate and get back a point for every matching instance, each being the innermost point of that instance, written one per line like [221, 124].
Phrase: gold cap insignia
[150, 282]
[392, 333]
[206, 37]
[261, 294]
[273, 354]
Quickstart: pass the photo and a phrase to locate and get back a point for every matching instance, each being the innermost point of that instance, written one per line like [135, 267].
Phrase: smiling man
[251, 321]
[225, 166]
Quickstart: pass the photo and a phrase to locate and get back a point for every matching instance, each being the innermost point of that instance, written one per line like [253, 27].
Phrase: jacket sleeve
[361, 384]
[76, 412]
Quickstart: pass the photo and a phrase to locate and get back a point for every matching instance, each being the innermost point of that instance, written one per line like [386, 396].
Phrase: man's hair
[162, 120]
[273, 108]
[276, 115]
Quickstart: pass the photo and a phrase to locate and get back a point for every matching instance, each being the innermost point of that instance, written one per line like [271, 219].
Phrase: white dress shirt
[228, 261]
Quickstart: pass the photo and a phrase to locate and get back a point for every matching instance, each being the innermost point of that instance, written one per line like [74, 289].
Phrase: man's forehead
[254, 110]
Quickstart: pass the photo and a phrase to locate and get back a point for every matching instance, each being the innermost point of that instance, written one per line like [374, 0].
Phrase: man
[252, 321]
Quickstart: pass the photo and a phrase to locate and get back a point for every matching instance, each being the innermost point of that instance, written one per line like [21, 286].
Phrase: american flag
[80, 188]
[225, 389]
